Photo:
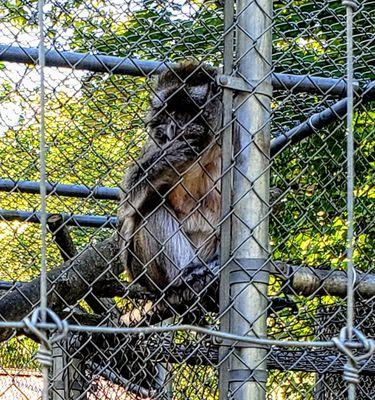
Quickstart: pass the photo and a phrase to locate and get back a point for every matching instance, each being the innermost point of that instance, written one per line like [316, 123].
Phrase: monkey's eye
[161, 134]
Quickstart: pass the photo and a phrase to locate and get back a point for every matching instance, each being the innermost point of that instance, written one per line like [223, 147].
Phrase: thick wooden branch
[67, 283]
[61, 236]
[302, 280]
[309, 281]
[95, 269]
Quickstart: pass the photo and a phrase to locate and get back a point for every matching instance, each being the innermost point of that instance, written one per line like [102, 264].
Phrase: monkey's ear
[158, 100]
[198, 93]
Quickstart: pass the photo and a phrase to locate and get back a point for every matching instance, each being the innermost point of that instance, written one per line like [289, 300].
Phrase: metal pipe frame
[88, 221]
[226, 197]
[58, 189]
[134, 67]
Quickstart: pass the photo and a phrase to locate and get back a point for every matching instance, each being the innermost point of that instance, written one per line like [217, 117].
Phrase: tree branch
[95, 269]
[67, 283]
[309, 281]
[61, 236]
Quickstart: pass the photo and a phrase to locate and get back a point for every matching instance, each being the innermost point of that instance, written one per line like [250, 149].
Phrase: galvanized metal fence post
[247, 268]
[68, 373]
[164, 376]
[58, 366]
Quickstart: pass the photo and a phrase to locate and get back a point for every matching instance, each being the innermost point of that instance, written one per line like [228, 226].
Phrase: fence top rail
[136, 67]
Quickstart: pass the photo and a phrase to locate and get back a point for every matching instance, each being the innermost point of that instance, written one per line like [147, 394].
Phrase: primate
[170, 203]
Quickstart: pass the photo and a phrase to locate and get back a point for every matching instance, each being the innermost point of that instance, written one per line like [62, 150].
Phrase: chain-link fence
[233, 260]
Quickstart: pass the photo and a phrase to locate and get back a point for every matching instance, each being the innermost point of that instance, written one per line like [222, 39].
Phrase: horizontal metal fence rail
[59, 189]
[319, 120]
[135, 67]
[88, 221]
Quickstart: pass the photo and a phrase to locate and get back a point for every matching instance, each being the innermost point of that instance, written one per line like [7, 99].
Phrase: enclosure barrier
[258, 333]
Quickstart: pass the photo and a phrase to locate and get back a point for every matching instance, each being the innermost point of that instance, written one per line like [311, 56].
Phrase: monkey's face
[183, 111]
[165, 126]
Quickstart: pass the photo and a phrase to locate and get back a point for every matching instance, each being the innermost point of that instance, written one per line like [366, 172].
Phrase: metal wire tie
[44, 355]
[248, 375]
[243, 270]
[353, 4]
[351, 369]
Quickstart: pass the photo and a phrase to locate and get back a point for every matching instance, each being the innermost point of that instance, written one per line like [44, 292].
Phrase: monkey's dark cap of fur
[188, 72]
[188, 84]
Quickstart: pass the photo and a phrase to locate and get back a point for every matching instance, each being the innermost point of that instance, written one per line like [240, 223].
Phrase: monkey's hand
[156, 172]
[197, 283]
[191, 295]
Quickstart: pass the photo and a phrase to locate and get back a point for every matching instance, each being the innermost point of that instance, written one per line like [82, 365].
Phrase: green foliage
[95, 127]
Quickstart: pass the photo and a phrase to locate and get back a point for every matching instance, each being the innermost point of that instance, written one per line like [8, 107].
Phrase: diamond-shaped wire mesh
[96, 126]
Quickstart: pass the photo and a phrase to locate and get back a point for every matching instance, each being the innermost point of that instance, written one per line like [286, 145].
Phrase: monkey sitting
[170, 203]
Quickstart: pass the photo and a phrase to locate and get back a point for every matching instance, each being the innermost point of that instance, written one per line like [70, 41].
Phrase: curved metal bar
[318, 121]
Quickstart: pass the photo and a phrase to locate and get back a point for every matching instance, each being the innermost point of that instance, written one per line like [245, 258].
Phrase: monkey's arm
[157, 171]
